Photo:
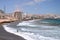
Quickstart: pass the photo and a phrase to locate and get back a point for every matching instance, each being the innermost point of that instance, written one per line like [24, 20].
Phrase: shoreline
[21, 34]
[25, 36]
[13, 31]
[4, 35]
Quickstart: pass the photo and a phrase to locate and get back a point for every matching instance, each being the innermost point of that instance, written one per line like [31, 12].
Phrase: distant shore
[10, 21]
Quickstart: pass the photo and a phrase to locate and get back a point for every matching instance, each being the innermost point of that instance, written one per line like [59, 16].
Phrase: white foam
[17, 33]
[26, 35]
[34, 25]
[25, 23]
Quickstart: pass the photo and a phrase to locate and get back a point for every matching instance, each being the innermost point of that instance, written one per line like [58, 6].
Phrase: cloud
[39, 0]
[34, 2]
[30, 3]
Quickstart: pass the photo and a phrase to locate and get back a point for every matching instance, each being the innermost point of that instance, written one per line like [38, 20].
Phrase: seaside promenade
[6, 20]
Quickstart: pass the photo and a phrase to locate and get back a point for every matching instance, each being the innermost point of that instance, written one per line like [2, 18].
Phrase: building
[2, 14]
[18, 15]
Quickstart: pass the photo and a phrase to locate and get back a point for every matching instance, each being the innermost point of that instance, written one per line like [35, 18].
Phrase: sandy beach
[8, 36]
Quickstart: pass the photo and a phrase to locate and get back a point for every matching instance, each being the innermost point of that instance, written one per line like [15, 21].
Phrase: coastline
[21, 34]
[4, 35]
[29, 36]
[26, 35]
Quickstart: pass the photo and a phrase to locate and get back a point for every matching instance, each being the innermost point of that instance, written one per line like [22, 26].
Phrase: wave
[27, 24]
[27, 35]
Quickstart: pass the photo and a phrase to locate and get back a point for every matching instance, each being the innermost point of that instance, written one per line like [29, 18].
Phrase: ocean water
[47, 29]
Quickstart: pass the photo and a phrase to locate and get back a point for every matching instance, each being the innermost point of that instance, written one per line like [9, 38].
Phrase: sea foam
[27, 35]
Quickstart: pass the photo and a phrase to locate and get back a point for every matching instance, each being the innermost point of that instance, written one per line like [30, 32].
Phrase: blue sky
[32, 6]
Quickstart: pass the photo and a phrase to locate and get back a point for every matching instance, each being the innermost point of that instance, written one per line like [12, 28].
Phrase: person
[17, 30]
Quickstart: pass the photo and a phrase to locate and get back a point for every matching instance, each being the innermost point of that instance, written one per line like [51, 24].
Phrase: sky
[31, 6]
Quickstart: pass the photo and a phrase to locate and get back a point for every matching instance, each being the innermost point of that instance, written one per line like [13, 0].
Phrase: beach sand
[8, 36]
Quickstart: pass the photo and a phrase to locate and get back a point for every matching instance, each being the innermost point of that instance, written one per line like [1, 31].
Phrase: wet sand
[8, 36]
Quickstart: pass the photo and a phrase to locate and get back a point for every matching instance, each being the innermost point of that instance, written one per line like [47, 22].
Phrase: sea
[40, 29]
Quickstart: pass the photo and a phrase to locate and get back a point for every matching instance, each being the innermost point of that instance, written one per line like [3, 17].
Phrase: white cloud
[39, 0]
[30, 3]
[34, 2]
